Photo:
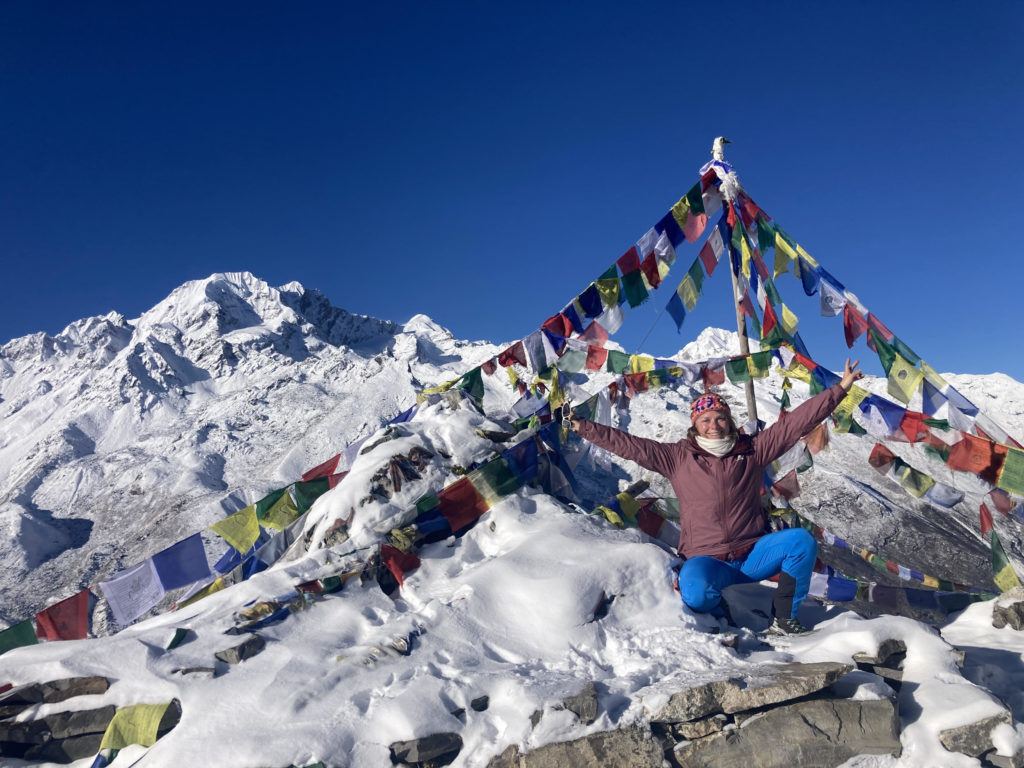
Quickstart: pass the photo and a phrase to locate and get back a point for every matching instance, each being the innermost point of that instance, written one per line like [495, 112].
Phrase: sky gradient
[482, 164]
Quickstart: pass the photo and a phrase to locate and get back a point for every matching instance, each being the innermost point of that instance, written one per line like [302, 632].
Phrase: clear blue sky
[482, 163]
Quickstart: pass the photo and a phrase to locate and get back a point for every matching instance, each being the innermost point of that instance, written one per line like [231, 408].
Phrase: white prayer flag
[133, 591]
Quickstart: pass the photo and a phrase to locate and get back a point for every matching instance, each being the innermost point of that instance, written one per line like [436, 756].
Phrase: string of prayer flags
[398, 562]
[608, 286]
[903, 378]
[67, 619]
[182, 564]
[132, 592]
[240, 530]
[854, 324]
[1011, 474]
[136, 724]
[978, 456]
[325, 469]
[986, 522]
[515, 354]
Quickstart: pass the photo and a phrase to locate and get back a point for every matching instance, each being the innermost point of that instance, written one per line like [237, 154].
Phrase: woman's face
[713, 424]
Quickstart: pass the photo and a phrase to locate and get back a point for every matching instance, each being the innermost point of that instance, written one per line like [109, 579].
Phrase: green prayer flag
[1002, 570]
[1011, 476]
[695, 198]
[916, 483]
[772, 293]
[308, 492]
[765, 235]
[886, 354]
[633, 287]
[759, 364]
[498, 481]
[737, 235]
[784, 402]
[429, 501]
[137, 724]
[20, 634]
[618, 362]
[904, 350]
[586, 409]
[473, 384]
[737, 370]
[696, 274]
[572, 361]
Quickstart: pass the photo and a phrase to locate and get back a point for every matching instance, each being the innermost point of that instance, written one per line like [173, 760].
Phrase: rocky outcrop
[628, 748]
[1008, 610]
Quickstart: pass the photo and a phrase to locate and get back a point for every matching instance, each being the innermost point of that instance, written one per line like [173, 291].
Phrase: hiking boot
[787, 627]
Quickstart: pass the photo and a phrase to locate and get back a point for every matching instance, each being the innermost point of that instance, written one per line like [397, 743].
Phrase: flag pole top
[718, 148]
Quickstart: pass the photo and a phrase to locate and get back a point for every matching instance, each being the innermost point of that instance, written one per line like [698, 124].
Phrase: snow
[505, 611]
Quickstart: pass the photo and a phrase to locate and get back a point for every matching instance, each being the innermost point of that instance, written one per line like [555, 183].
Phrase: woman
[717, 475]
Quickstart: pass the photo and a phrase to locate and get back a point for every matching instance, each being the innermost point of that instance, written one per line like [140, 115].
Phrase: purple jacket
[719, 498]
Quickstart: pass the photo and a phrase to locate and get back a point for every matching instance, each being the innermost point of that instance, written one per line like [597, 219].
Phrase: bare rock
[973, 739]
[818, 732]
[628, 748]
[1008, 610]
[1003, 761]
[697, 729]
[242, 651]
[440, 747]
[583, 704]
[783, 682]
[886, 650]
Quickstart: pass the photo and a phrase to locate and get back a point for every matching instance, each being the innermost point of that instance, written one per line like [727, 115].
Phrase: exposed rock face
[436, 749]
[973, 739]
[819, 732]
[1008, 610]
[783, 683]
[630, 748]
[242, 651]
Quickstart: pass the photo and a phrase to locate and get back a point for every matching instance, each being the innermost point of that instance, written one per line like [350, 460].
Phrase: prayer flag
[398, 562]
[832, 301]
[696, 275]
[16, 636]
[817, 439]
[608, 286]
[1002, 570]
[611, 319]
[596, 358]
[886, 354]
[182, 564]
[629, 261]
[323, 470]
[977, 455]
[713, 373]
[916, 483]
[737, 370]
[281, 514]
[595, 334]
[696, 223]
[514, 354]
[633, 287]
[789, 321]
[240, 530]
[574, 357]
[133, 591]
[677, 311]
[759, 364]
[649, 266]
[695, 199]
[688, 293]
[558, 324]
[136, 724]
[618, 362]
[1011, 475]
[66, 620]
[986, 520]
[307, 493]
[765, 235]
[808, 276]
[590, 302]
[461, 504]
[945, 496]
[783, 255]
[881, 458]
[637, 382]
[903, 379]
[880, 328]
[668, 226]
[681, 212]
[497, 481]
[641, 363]
[854, 324]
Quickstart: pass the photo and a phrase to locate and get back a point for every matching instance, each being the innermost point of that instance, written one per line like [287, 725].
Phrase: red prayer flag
[398, 562]
[322, 470]
[708, 179]
[613, 392]
[913, 426]
[489, 367]
[595, 334]
[770, 319]
[806, 362]
[708, 258]
[854, 324]
[596, 358]
[891, 567]
[986, 520]
[695, 224]
[649, 521]
[650, 269]
[748, 306]
[817, 439]
[514, 354]
[1001, 500]
[712, 377]
[66, 620]
[333, 480]
[559, 325]
[460, 504]
[881, 457]
[629, 261]
[760, 266]
[787, 487]
[974, 454]
[731, 218]
[880, 329]
[637, 382]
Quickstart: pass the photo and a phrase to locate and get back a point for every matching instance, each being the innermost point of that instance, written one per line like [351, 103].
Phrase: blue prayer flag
[841, 590]
[808, 276]
[182, 564]
[669, 226]
[590, 302]
[677, 310]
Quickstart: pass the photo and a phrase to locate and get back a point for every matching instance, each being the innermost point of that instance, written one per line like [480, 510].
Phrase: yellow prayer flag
[1006, 579]
[1011, 474]
[688, 293]
[798, 372]
[137, 724]
[513, 377]
[240, 530]
[663, 270]
[788, 320]
[214, 586]
[786, 383]
[609, 290]
[916, 483]
[611, 516]
[904, 379]
[807, 257]
[282, 513]
[681, 212]
[630, 507]
[753, 369]
[932, 377]
[640, 363]
[849, 403]
[745, 261]
[930, 581]
[783, 255]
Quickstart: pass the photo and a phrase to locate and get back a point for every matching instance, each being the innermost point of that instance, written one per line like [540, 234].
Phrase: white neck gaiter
[716, 446]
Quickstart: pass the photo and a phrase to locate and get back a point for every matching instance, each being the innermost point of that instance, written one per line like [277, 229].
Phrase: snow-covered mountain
[122, 436]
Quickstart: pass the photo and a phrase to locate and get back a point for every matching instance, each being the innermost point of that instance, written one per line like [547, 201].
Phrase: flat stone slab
[973, 739]
[820, 732]
[888, 648]
[783, 682]
[628, 748]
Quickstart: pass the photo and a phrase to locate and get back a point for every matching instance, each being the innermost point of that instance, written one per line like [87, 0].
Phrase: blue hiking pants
[790, 552]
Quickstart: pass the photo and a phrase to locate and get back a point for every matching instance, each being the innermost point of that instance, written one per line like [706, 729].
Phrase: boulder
[884, 655]
[441, 747]
[583, 704]
[973, 739]
[1008, 610]
[818, 732]
[60, 737]
[628, 748]
[15, 700]
[242, 651]
[783, 682]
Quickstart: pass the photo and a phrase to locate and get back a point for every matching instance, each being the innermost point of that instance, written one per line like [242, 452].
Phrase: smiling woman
[717, 475]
